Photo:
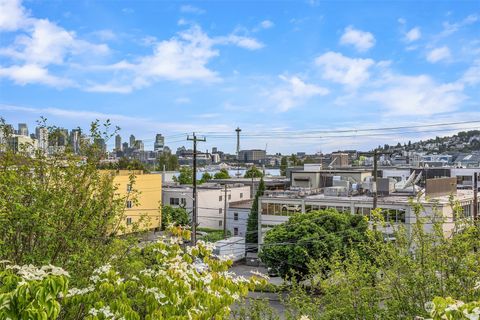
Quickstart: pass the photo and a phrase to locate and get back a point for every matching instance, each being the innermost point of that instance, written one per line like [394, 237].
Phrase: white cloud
[294, 92]
[361, 40]
[451, 28]
[417, 95]
[191, 9]
[413, 35]
[41, 44]
[240, 41]
[341, 69]
[472, 75]
[183, 58]
[438, 54]
[31, 73]
[12, 15]
[266, 24]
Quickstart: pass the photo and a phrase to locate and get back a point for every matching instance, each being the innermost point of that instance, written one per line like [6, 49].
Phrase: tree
[185, 176]
[283, 166]
[59, 210]
[167, 161]
[177, 216]
[222, 174]
[252, 222]
[253, 172]
[206, 177]
[311, 236]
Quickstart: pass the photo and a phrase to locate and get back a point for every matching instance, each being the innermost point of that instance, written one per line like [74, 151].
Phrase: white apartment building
[237, 217]
[211, 200]
[276, 207]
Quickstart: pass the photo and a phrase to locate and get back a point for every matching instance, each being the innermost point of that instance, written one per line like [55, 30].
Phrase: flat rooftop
[243, 204]
[462, 195]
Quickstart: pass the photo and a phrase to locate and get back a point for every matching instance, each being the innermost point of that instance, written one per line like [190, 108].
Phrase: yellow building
[143, 200]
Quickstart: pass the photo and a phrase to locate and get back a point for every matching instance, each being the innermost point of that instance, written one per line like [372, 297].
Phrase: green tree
[283, 166]
[222, 174]
[253, 172]
[185, 176]
[206, 177]
[311, 236]
[59, 210]
[252, 222]
[174, 215]
[167, 161]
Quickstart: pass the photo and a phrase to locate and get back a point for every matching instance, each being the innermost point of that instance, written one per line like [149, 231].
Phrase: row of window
[278, 209]
[220, 198]
[178, 201]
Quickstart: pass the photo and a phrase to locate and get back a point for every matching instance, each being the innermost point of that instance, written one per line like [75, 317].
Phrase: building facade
[211, 201]
[144, 213]
[237, 217]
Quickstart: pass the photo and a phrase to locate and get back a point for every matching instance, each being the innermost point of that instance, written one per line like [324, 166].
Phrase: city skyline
[174, 68]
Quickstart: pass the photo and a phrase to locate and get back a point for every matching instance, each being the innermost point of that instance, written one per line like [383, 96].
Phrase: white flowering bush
[450, 309]
[27, 292]
[174, 282]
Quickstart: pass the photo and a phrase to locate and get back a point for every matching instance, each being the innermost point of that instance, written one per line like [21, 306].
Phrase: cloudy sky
[274, 69]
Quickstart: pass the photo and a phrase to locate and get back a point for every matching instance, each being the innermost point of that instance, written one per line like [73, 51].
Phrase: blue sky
[271, 68]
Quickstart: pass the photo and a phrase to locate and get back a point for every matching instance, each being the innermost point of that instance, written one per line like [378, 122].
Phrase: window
[174, 201]
[220, 210]
[229, 197]
[235, 231]
[235, 216]
[241, 195]
[183, 201]
[129, 204]
[129, 221]
[220, 198]
[129, 187]
[220, 223]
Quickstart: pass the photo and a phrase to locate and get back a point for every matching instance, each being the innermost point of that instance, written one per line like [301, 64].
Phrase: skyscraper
[118, 143]
[159, 142]
[132, 141]
[22, 129]
[75, 137]
[41, 133]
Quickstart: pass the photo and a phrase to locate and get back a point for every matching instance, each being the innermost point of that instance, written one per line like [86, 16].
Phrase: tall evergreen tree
[252, 223]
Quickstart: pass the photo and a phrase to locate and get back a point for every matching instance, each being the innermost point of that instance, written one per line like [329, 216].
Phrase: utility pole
[195, 204]
[375, 177]
[238, 130]
[475, 197]
[225, 213]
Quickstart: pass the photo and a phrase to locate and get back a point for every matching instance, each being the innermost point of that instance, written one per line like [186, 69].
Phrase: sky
[290, 74]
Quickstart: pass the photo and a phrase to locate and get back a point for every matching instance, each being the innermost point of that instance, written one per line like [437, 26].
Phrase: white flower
[304, 317]
[429, 306]
[257, 273]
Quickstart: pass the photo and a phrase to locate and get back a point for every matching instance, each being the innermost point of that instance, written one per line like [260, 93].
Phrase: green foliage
[214, 236]
[448, 308]
[222, 174]
[58, 210]
[30, 293]
[253, 172]
[398, 279]
[206, 177]
[175, 216]
[283, 166]
[185, 177]
[311, 236]
[167, 161]
[252, 222]
[163, 281]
